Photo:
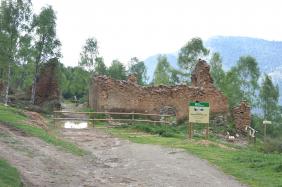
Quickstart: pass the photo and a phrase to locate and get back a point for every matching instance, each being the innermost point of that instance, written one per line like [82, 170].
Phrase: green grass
[246, 164]
[9, 176]
[17, 119]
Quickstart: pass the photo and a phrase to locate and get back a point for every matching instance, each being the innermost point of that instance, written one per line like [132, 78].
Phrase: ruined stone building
[242, 115]
[47, 86]
[107, 94]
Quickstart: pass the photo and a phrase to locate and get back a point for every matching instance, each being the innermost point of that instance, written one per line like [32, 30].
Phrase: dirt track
[110, 162]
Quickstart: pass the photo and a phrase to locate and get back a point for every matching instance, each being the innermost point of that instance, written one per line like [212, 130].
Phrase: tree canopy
[190, 53]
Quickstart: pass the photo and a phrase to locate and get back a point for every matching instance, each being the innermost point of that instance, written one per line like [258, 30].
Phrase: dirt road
[110, 162]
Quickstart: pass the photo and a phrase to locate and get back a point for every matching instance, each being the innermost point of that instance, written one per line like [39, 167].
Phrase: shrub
[272, 145]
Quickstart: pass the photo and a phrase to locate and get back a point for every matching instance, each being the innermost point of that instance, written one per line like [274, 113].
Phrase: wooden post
[165, 124]
[132, 118]
[190, 130]
[55, 116]
[89, 118]
[207, 132]
[264, 132]
[93, 120]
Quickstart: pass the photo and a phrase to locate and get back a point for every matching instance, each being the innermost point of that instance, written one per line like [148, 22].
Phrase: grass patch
[16, 119]
[246, 164]
[9, 176]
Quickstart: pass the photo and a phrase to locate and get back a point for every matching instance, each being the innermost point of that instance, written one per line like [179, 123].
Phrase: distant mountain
[267, 53]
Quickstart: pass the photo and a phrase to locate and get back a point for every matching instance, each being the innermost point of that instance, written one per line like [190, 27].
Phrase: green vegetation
[190, 53]
[248, 165]
[16, 119]
[9, 176]
[138, 68]
[117, 70]
[89, 54]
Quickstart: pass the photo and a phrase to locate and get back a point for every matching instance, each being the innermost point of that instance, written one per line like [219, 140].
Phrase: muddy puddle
[75, 125]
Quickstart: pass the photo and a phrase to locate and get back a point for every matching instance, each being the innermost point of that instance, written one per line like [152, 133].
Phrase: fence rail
[132, 114]
[117, 113]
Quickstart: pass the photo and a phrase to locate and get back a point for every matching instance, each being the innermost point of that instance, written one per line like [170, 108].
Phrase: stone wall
[47, 87]
[242, 116]
[106, 94]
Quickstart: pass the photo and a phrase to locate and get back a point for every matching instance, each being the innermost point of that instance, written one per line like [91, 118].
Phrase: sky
[141, 28]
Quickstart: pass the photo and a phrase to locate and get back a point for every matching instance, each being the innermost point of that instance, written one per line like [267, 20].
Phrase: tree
[46, 45]
[190, 53]
[216, 70]
[14, 20]
[232, 88]
[138, 68]
[241, 82]
[161, 74]
[248, 72]
[269, 95]
[100, 67]
[74, 81]
[117, 70]
[89, 54]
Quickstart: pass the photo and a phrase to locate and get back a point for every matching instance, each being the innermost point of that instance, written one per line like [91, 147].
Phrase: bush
[272, 145]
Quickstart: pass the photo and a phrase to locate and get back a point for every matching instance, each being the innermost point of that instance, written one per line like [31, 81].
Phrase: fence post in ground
[93, 120]
[165, 120]
[207, 132]
[132, 118]
[190, 130]
[54, 122]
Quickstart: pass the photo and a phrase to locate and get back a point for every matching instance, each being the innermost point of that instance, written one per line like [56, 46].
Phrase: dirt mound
[35, 119]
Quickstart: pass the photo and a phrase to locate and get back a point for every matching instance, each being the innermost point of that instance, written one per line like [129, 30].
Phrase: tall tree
[269, 95]
[89, 54]
[162, 72]
[232, 88]
[14, 20]
[216, 70]
[74, 81]
[117, 70]
[248, 72]
[190, 53]
[46, 45]
[241, 82]
[138, 68]
[100, 67]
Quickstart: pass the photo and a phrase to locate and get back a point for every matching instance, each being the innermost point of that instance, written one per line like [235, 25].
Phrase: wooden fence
[164, 119]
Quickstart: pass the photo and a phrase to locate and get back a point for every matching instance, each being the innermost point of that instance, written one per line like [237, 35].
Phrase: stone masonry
[106, 94]
[47, 87]
[242, 116]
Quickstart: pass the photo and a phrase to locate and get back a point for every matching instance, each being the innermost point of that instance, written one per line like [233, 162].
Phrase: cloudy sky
[128, 28]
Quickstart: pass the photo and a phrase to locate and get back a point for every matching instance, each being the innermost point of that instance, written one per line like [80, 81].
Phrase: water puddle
[75, 125]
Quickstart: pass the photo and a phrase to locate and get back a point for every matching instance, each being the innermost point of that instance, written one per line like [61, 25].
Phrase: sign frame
[199, 112]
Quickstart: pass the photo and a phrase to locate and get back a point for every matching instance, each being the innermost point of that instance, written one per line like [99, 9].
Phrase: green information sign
[199, 112]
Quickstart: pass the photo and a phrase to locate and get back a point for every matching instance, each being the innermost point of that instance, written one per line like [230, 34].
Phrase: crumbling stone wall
[242, 115]
[47, 87]
[106, 94]
[201, 75]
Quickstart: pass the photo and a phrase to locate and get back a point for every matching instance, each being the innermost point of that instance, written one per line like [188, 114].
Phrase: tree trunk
[33, 90]
[8, 85]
